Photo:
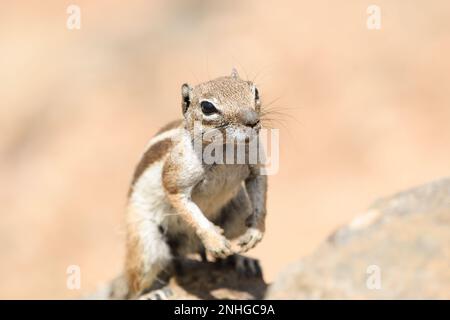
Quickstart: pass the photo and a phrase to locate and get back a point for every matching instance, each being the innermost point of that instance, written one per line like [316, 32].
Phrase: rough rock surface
[202, 280]
[398, 249]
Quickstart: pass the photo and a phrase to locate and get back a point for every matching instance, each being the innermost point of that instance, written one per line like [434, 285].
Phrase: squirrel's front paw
[250, 239]
[216, 243]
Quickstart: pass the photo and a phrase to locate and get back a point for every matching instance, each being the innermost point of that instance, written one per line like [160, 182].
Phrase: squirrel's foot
[250, 239]
[215, 243]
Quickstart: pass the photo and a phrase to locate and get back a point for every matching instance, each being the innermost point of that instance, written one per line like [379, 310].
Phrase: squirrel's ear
[257, 100]
[185, 97]
[234, 73]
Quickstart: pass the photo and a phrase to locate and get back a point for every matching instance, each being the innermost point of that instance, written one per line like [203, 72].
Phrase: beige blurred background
[367, 114]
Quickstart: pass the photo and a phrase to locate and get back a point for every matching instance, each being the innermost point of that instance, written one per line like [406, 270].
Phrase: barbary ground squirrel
[178, 203]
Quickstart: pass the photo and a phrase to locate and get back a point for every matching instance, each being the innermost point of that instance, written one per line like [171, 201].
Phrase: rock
[199, 280]
[398, 249]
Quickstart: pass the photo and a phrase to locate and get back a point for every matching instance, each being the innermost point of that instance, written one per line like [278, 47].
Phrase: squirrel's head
[228, 104]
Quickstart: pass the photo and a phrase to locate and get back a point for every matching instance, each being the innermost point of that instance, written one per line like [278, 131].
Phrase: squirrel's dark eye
[208, 108]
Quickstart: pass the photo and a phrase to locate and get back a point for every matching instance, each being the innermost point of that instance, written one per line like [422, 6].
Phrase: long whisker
[276, 116]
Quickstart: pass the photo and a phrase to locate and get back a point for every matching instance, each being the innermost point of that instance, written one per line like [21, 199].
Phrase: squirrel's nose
[253, 124]
[250, 119]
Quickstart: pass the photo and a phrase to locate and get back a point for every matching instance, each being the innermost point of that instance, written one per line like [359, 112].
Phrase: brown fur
[169, 178]
[133, 262]
[154, 153]
[171, 125]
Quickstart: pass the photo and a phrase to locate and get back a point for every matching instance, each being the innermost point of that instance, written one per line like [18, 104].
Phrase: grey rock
[398, 249]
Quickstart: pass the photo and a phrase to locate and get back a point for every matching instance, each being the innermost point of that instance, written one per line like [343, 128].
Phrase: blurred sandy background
[368, 115]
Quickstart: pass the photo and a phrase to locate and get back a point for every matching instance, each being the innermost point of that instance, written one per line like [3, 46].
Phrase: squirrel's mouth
[241, 134]
[230, 135]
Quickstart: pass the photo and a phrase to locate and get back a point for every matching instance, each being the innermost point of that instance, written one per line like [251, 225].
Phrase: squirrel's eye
[208, 108]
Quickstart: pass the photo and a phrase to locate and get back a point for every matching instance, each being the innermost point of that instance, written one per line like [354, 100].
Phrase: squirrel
[180, 205]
